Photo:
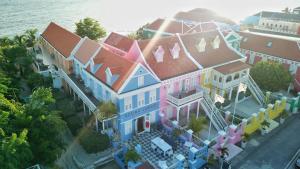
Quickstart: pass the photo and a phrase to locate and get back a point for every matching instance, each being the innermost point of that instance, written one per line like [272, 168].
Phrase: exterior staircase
[213, 113]
[256, 91]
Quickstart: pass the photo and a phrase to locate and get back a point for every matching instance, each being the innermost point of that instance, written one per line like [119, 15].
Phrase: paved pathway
[272, 151]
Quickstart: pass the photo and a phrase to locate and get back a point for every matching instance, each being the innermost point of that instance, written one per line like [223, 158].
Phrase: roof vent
[159, 54]
[269, 44]
[108, 76]
[201, 45]
[245, 39]
[175, 51]
[216, 42]
[298, 43]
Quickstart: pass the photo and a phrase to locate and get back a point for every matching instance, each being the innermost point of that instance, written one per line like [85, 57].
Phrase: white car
[298, 163]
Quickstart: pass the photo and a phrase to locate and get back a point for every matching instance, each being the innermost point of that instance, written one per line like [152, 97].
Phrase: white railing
[213, 113]
[80, 93]
[230, 84]
[256, 91]
[198, 94]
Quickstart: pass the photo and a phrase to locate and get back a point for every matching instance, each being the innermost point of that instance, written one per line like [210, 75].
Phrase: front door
[140, 124]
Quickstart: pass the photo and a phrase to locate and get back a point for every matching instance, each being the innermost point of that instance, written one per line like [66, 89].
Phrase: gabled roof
[232, 67]
[169, 67]
[210, 57]
[169, 26]
[283, 48]
[120, 67]
[202, 15]
[61, 39]
[86, 50]
[119, 41]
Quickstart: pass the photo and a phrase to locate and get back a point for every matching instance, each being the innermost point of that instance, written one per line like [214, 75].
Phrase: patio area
[245, 108]
[144, 139]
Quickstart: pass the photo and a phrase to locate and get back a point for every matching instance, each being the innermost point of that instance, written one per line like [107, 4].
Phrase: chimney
[175, 51]
[108, 76]
[201, 45]
[159, 54]
[216, 42]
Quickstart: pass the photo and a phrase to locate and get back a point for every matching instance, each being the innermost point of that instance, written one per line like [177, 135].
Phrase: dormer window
[159, 54]
[175, 51]
[269, 44]
[108, 76]
[201, 45]
[216, 42]
[245, 39]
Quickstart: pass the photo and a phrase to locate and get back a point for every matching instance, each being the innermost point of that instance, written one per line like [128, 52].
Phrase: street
[272, 151]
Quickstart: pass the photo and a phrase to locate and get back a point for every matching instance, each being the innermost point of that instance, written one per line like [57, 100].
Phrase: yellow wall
[271, 112]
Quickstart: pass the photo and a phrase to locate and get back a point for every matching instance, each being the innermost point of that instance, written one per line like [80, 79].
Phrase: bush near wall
[74, 123]
[93, 142]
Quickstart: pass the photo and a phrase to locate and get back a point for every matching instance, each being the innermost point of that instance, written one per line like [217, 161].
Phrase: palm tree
[224, 152]
[31, 37]
[107, 109]
[20, 40]
[5, 41]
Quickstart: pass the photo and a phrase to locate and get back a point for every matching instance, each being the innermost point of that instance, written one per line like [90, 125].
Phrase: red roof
[210, 57]
[232, 67]
[119, 41]
[168, 26]
[61, 39]
[202, 15]
[86, 50]
[283, 48]
[118, 65]
[169, 67]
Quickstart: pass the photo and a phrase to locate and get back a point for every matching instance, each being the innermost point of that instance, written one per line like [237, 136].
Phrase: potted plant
[245, 139]
[283, 116]
[176, 133]
[224, 152]
[264, 126]
[131, 155]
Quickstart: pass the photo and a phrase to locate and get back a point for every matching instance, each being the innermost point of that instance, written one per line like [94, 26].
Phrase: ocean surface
[118, 15]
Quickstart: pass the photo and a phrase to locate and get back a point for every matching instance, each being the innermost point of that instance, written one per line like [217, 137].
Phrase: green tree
[6, 41]
[91, 28]
[14, 150]
[271, 76]
[197, 124]
[20, 40]
[30, 36]
[37, 80]
[138, 35]
[46, 127]
[107, 109]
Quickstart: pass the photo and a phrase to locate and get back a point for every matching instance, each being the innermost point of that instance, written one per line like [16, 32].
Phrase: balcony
[184, 97]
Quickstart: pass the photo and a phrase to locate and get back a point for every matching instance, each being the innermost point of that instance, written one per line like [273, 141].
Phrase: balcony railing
[232, 83]
[184, 97]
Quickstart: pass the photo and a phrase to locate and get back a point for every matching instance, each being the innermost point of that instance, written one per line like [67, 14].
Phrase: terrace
[184, 97]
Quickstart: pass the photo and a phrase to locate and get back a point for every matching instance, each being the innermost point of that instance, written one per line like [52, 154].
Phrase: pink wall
[297, 78]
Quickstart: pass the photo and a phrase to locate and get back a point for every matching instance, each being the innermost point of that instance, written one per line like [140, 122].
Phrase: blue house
[110, 74]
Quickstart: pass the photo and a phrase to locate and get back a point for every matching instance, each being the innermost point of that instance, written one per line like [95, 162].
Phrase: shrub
[131, 155]
[74, 123]
[93, 142]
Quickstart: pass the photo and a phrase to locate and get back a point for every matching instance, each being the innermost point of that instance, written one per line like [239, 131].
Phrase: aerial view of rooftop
[137, 84]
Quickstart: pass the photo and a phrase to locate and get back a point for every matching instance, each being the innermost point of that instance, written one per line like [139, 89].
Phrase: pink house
[180, 92]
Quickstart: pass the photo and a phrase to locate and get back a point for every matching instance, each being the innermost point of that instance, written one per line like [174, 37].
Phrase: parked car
[298, 163]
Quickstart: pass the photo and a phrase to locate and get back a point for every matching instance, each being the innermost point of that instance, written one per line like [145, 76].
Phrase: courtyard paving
[245, 108]
[272, 151]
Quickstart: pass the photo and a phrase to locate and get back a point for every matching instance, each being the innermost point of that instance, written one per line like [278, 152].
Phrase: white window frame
[141, 81]
[128, 127]
[152, 96]
[141, 99]
[127, 103]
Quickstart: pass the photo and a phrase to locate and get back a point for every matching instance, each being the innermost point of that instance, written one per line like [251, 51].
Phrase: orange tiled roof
[170, 26]
[232, 67]
[169, 67]
[117, 64]
[210, 57]
[283, 48]
[119, 41]
[86, 50]
[61, 39]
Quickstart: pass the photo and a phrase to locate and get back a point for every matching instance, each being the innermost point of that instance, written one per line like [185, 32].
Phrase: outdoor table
[162, 145]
